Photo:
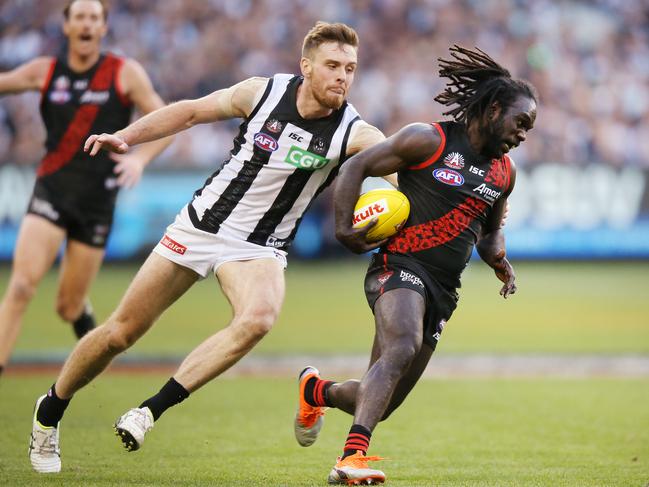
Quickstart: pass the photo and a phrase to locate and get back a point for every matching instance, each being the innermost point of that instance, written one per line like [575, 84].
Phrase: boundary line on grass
[441, 366]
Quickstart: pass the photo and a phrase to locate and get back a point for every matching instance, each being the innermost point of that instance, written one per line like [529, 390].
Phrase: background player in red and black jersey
[84, 91]
[457, 177]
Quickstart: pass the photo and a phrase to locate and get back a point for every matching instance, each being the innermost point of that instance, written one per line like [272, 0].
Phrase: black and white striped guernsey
[279, 164]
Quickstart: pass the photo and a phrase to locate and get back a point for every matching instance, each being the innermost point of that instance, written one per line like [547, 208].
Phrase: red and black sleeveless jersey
[74, 106]
[450, 197]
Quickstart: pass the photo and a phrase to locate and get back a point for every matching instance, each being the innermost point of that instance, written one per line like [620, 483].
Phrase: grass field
[449, 433]
[560, 308]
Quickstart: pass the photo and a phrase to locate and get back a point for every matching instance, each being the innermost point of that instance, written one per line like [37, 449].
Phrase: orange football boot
[308, 419]
[353, 470]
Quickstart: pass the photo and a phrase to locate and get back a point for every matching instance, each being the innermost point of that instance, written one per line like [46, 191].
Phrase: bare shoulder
[133, 72]
[38, 69]
[362, 136]
[416, 142]
[246, 94]
[41, 63]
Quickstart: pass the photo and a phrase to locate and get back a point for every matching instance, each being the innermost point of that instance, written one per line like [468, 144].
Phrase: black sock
[1, 369]
[84, 323]
[51, 408]
[357, 440]
[172, 393]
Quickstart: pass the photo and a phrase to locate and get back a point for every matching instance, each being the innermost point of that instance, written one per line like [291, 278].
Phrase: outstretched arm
[236, 101]
[138, 88]
[491, 243]
[30, 76]
[412, 144]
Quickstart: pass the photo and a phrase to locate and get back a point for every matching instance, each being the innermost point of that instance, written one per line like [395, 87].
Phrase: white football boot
[132, 426]
[44, 451]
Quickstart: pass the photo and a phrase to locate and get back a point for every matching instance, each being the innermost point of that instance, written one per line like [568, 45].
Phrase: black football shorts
[88, 222]
[394, 271]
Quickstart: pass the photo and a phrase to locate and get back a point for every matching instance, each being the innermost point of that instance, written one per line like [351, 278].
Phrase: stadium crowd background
[589, 60]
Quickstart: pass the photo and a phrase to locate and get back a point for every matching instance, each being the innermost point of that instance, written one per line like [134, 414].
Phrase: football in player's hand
[389, 206]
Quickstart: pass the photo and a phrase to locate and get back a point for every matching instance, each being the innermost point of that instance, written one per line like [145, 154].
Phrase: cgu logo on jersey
[448, 176]
[60, 94]
[265, 142]
[454, 160]
[303, 159]
[94, 97]
[368, 212]
[488, 193]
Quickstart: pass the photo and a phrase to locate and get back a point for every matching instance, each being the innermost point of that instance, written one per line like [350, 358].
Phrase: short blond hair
[323, 32]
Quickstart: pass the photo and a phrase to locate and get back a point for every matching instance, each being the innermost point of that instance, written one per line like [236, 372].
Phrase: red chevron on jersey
[83, 119]
[437, 232]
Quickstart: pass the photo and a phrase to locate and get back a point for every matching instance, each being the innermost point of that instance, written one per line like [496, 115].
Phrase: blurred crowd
[589, 60]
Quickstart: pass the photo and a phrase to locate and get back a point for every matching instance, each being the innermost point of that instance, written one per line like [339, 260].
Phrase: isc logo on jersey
[304, 159]
[265, 142]
[448, 176]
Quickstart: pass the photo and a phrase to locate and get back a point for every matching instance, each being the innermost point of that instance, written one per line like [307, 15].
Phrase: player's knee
[21, 289]
[119, 337]
[257, 322]
[68, 310]
[403, 350]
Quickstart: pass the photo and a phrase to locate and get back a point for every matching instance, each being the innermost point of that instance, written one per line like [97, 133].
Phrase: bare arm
[364, 136]
[491, 242]
[137, 87]
[30, 76]
[235, 101]
[412, 144]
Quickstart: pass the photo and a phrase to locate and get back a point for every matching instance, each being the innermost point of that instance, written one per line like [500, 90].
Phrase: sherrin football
[390, 206]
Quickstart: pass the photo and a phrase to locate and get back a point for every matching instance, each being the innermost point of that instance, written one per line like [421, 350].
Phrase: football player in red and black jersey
[457, 176]
[83, 91]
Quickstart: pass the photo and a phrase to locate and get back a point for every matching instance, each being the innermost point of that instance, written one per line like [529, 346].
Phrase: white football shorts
[203, 252]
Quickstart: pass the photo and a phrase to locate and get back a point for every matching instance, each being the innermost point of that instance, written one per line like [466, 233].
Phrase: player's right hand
[109, 142]
[355, 239]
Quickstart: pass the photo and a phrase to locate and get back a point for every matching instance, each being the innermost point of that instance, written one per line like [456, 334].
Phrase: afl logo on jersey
[448, 176]
[265, 142]
[60, 94]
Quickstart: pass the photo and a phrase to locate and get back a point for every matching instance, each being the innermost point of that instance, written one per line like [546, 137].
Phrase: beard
[494, 133]
[326, 99]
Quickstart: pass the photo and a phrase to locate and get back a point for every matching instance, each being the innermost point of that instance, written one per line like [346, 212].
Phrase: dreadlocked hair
[475, 82]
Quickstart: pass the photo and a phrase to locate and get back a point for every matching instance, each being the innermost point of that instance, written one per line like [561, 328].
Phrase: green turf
[234, 432]
[560, 308]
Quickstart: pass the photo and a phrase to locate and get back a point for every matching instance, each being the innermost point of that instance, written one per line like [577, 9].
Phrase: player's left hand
[355, 239]
[505, 272]
[128, 169]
